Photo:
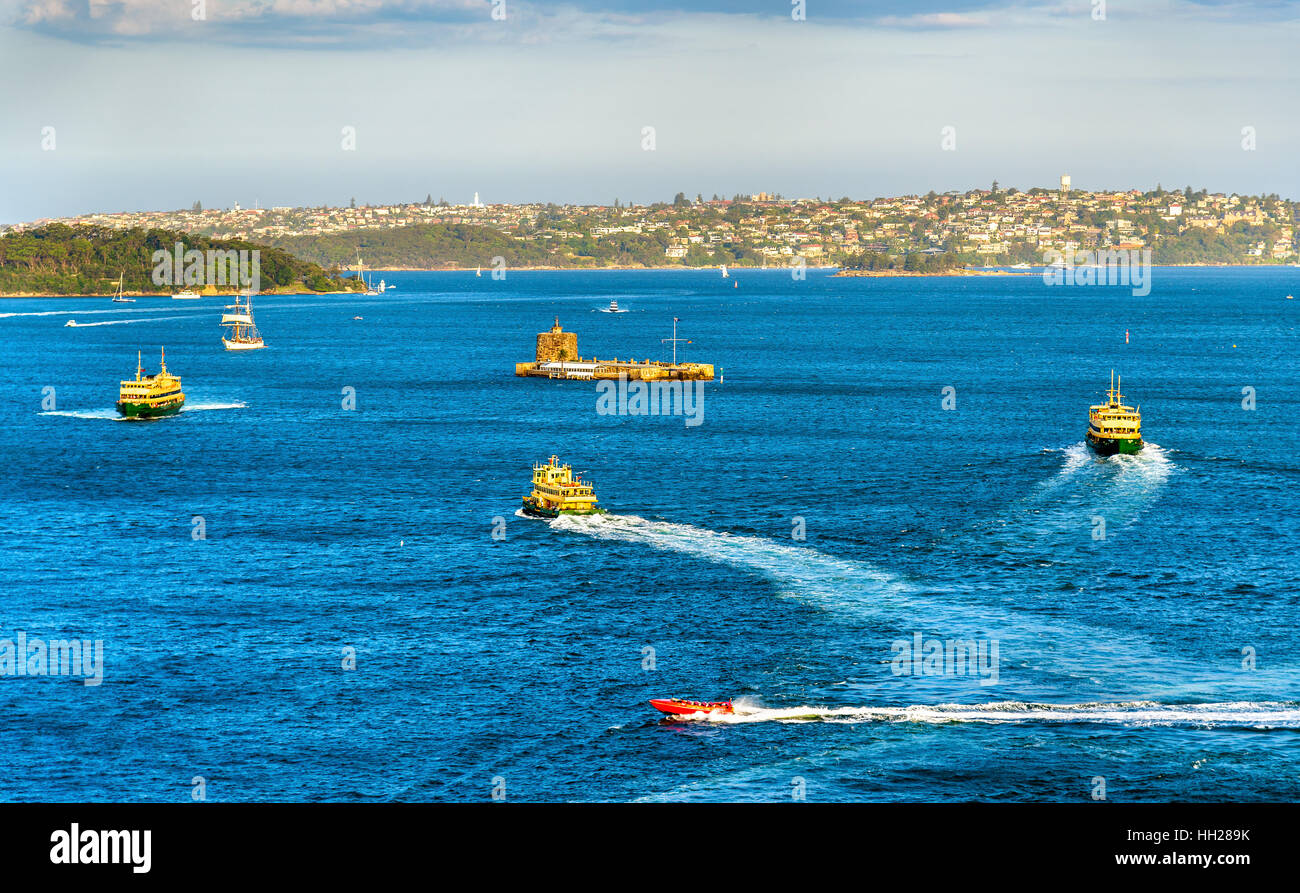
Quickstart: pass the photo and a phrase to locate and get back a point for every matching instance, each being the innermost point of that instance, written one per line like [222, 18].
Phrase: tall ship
[243, 332]
[556, 491]
[371, 289]
[1114, 427]
[150, 396]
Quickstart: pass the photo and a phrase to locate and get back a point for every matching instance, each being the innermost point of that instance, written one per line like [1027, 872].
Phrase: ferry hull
[541, 511]
[1109, 446]
[145, 411]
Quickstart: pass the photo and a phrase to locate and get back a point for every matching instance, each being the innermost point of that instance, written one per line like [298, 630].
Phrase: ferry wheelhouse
[1114, 427]
[557, 491]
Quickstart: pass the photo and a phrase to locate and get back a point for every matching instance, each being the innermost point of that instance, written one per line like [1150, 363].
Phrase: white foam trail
[1027, 640]
[1238, 714]
[48, 313]
[78, 312]
[125, 322]
[1117, 488]
[112, 414]
[838, 585]
[1077, 458]
[829, 581]
[109, 414]
[204, 407]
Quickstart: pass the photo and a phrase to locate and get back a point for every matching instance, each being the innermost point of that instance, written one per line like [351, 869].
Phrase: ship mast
[674, 340]
[139, 364]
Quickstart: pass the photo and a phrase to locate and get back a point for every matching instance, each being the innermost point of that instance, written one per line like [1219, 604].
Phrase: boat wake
[108, 414]
[206, 407]
[823, 579]
[1230, 714]
[864, 592]
[112, 415]
[1053, 650]
[1118, 489]
[126, 322]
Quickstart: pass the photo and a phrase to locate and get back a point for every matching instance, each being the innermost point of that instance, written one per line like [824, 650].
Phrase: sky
[120, 105]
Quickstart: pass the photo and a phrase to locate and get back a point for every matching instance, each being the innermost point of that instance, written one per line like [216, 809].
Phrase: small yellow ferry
[1112, 426]
[556, 491]
[150, 396]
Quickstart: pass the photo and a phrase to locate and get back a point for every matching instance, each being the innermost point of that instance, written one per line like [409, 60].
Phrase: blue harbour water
[1162, 657]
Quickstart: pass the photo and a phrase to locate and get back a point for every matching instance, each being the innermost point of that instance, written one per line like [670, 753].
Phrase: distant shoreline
[867, 274]
[167, 295]
[841, 274]
[960, 271]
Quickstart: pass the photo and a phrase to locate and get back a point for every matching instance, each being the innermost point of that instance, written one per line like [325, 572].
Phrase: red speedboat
[684, 707]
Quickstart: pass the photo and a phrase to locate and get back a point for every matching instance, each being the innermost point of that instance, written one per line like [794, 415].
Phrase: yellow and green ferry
[556, 491]
[1112, 426]
[150, 396]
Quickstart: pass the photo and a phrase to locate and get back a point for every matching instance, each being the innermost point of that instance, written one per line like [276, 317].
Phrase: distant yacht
[187, 295]
[725, 274]
[612, 308]
[120, 298]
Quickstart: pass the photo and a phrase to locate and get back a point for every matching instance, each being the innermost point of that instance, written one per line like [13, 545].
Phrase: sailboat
[243, 332]
[371, 291]
[478, 271]
[725, 274]
[120, 298]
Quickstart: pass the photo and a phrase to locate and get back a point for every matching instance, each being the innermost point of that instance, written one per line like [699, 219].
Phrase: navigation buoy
[1126, 336]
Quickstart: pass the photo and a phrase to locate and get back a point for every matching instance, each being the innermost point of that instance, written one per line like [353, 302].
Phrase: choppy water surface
[1143, 608]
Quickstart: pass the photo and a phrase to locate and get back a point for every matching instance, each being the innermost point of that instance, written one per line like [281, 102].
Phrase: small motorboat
[356, 317]
[685, 707]
[71, 322]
